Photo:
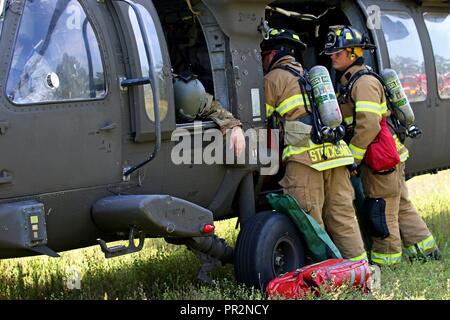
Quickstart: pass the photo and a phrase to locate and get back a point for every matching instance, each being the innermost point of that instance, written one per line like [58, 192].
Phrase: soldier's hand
[237, 140]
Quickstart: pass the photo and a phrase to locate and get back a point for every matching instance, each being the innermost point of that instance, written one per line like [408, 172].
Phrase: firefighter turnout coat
[362, 115]
[284, 97]
[316, 175]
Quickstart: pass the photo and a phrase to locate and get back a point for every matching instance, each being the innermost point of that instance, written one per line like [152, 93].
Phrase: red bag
[382, 153]
[289, 286]
[292, 284]
[331, 273]
[346, 272]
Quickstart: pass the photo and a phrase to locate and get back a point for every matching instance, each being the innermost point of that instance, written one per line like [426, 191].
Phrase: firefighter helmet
[190, 96]
[278, 39]
[343, 37]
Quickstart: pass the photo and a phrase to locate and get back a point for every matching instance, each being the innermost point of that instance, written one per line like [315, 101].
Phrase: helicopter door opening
[188, 49]
[312, 21]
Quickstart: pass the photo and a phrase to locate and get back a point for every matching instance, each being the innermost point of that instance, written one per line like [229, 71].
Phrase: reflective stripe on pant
[389, 250]
[405, 225]
[328, 197]
[413, 229]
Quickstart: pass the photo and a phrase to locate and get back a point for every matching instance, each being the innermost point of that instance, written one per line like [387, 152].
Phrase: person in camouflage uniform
[192, 102]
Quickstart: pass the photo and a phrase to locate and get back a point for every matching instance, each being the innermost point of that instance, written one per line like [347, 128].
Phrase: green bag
[317, 240]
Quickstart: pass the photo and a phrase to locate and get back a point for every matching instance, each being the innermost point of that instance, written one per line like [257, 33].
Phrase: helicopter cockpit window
[405, 53]
[438, 25]
[56, 56]
[157, 62]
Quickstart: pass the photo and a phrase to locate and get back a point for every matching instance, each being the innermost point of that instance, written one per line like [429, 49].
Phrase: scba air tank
[325, 97]
[398, 98]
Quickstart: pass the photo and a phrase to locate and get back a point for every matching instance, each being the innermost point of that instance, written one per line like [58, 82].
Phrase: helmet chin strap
[352, 55]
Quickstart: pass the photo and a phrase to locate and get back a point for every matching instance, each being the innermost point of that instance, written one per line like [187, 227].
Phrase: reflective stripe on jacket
[283, 96]
[369, 106]
[323, 156]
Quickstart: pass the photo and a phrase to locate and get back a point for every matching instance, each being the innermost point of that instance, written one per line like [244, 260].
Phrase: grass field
[164, 271]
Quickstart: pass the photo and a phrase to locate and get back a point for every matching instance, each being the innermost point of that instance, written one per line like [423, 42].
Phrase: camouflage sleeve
[222, 117]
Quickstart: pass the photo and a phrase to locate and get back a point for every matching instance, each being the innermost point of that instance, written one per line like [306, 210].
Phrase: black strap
[306, 86]
[383, 173]
[394, 122]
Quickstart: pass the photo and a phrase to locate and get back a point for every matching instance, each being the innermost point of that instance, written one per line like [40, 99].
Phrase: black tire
[267, 246]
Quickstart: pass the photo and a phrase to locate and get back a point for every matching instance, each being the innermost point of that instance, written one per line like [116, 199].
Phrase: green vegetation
[164, 271]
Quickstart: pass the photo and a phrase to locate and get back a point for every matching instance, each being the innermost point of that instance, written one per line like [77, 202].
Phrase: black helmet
[279, 39]
[342, 37]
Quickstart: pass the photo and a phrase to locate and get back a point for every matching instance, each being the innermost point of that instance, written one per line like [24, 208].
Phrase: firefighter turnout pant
[403, 221]
[328, 197]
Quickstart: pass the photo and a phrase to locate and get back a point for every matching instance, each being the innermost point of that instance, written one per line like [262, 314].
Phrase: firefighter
[316, 174]
[362, 111]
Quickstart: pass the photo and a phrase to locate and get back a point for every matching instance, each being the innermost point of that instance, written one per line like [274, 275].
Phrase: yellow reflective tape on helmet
[427, 244]
[358, 153]
[274, 32]
[338, 32]
[386, 258]
[292, 103]
[369, 106]
[361, 257]
[269, 110]
[358, 35]
[296, 37]
[348, 36]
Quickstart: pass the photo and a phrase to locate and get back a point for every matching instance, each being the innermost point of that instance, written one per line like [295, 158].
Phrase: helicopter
[88, 123]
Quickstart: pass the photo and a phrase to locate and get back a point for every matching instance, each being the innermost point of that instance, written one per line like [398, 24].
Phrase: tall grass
[165, 271]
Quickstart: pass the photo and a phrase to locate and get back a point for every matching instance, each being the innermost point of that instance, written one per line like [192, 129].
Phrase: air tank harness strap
[346, 93]
[304, 85]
